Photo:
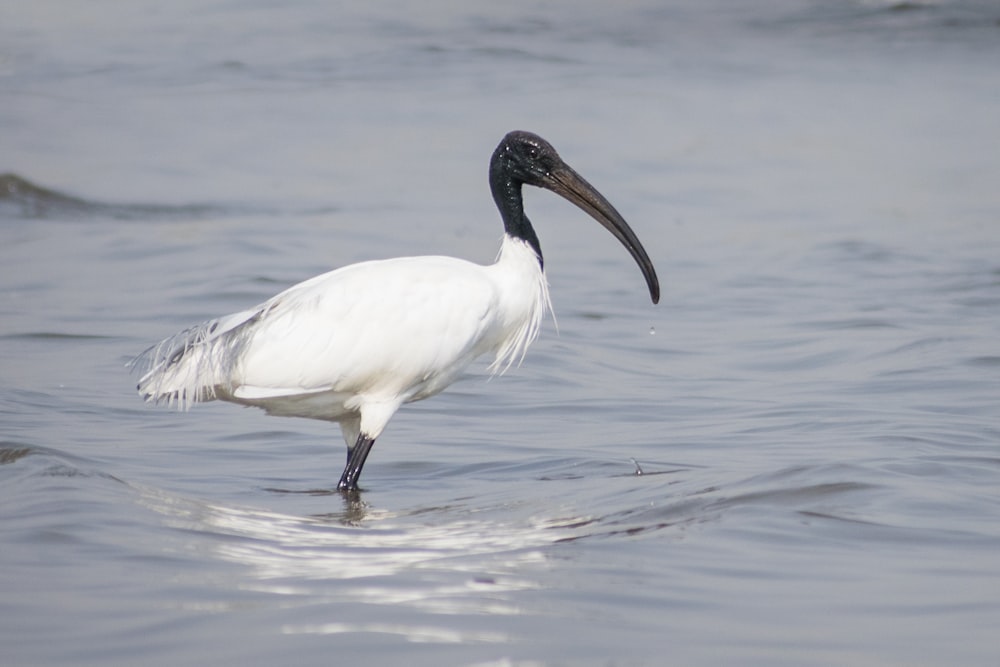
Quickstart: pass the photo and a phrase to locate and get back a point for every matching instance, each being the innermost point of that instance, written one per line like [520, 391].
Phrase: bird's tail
[191, 366]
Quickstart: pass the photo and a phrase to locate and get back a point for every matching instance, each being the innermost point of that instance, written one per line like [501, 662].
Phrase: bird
[353, 345]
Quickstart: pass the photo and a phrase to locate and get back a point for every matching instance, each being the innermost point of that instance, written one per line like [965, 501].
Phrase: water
[814, 406]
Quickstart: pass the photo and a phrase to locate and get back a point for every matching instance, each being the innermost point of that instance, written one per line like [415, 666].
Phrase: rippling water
[793, 459]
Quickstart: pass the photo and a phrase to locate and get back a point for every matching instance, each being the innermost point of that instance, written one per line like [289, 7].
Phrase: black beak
[566, 183]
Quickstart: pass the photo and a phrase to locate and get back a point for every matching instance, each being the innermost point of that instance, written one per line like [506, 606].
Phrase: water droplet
[652, 331]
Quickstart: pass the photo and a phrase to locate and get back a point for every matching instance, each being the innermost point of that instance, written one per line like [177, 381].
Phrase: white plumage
[353, 345]
[327, 349]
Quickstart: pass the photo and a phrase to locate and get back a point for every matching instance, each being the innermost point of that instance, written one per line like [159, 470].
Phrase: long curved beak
[573, 187]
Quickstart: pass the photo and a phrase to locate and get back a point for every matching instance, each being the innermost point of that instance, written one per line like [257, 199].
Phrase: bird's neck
[507, 195]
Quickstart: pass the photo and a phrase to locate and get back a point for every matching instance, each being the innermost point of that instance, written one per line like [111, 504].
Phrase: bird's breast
[523, 300]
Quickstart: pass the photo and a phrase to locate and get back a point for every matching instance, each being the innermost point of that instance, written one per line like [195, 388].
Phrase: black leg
[355, 462]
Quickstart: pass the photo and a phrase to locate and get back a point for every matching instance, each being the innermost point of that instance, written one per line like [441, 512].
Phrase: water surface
[793, 459]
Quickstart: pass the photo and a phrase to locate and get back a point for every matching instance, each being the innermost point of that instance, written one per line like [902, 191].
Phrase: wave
[24, 200]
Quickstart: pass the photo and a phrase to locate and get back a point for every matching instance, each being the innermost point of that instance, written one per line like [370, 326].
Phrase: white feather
[354, 344]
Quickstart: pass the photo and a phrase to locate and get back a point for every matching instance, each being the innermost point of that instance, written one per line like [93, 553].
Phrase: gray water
[814, 406]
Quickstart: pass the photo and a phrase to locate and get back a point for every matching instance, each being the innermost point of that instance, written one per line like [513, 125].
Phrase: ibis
[353, 345]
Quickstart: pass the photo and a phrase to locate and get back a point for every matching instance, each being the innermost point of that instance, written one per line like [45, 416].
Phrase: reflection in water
[415, 634]
[458, 565]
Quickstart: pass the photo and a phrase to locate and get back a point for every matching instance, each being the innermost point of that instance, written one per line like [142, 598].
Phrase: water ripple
[22, 199]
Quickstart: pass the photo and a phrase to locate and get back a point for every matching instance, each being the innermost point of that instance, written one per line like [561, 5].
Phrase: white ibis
[353, 345]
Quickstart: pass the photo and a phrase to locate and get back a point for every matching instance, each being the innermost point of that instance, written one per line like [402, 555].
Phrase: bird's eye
[533, 151]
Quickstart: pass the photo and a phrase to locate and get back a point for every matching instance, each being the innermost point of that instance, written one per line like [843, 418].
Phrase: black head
[526, 158]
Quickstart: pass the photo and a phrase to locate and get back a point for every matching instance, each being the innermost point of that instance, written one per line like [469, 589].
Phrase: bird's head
[526, 158]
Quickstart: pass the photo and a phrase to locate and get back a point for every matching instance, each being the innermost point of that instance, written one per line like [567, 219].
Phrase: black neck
[507, 195]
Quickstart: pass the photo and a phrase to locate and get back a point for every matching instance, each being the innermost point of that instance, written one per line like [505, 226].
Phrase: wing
[403, 328]
[396, 330]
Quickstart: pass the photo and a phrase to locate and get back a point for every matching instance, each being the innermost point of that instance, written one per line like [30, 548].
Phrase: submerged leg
[356, 456]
